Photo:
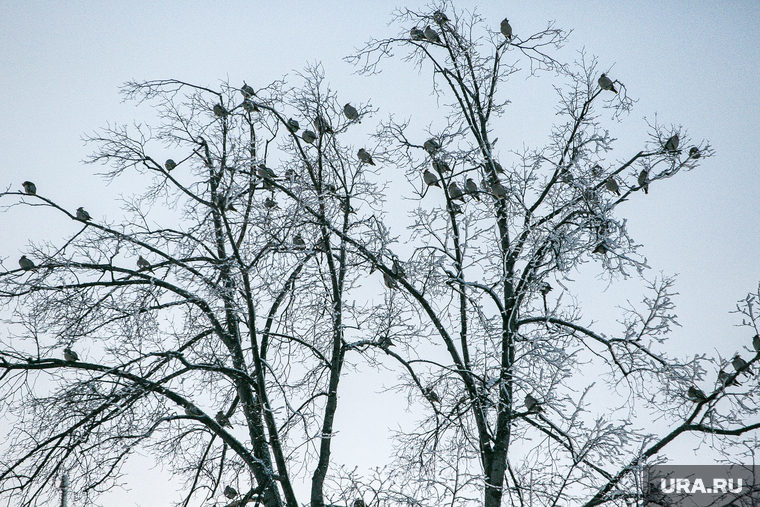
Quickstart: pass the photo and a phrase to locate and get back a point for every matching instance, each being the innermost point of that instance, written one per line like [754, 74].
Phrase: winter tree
[212, 326]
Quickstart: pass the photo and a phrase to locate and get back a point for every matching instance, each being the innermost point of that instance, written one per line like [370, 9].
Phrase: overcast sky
[63, 62]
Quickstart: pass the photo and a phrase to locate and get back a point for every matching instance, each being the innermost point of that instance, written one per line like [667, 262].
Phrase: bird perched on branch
[193, 411]
[506, 29]
[431, 395]
[246, 90]
[230, 492]
[643, 178]
[298, 242]
[498, 190]
[606, 83]
[143, 264]
[601, 248]
[431, 146]
[441, 166]
[430, 179]
[756, 343]
[472, 188]
[309, 136]
[292, 125]
[70, 356]
[220, 111]
[612, 185]
[671, 145]
[532, 404]
[416, 34]
[265, 172]
[724, 377]
[740, 364]
[26, 264]
[389, 281]
[696, 395]
[321, 125]
[170, 165]
[694, 153]
[351, 112]
[454, 191]
[270, 203]
[440, 18]
[359, 503]
[223, 420]
[365, 157]
[431, 35]
[250, 106]
[83, 215]
[29, 188]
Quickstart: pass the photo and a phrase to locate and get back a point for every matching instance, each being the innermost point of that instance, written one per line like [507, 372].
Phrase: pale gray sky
[694, 64]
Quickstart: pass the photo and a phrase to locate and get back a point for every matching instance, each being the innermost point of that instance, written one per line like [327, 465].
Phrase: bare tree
[226, 298]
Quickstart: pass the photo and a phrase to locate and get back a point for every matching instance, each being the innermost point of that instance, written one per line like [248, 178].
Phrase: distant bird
[70, 356]
[170, 164]
[430, 179]
[359, 503]
[532, 404]
[454, 191]
[756, 343]
[696, 395]
[596, 171]
[440, 18]
[431, 35]
[351, 112]
[386, 342]
[83, 215]
[417, 34]
[29, 187]
[398, 269]
[270, 203]
[250, 106]
[506, 29]
[441, 166]
[601, 248]
[246, 90]
[431, 146]
[472, 188]
[545, 288]
[671, 145]
[298, 242]
[321, 124]
[431, 395]
[220, 111]
[740, 364]
[193, 411]
[498, 167]
[606, 83]
[724, 377]
[694, 153]
[389, 281]
[309, 136]
[26, 264]
[143, 264]
[643, 178]
[498, 190]
[365, 157]
[265, 172]
[612, 185]
[292, 125]
[223, 420]
[230, 492]
[455, 208]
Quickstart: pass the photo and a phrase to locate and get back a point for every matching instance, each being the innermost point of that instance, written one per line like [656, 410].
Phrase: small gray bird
[389, 281]
[431, 395]
[265, 172]
[441, 166]
[606, 83]
[498, 167]
[740, 364]
[293, 126]
[193, 411]
[596, 171]
[612, 185]
[321, 124]
[26, 264]
[246, 90]
[671, 145]
[416, 34]
[83, 215]
[270, 203]
[70, 356]
[506, 29]
[143, 264]
[309, 136]
[724, 377]
[696, 395]
[365, 157]
[430, 179]
[694, 153]
[472, 188]
[398, 269]
[440, 18]
[756, 343]
[359, 503]
[220, 111]
[545, 288]
[298, 242]
[29, 187]
[601, 248]
[454, 191]
[386, 342]
[498, 190]
[431, 35]
[223, 420]
[643, 178]
[230, 492]
[351, 112]
[455, 209]
[431, 146]
[170, 164]
[250, 106]
[532, 404]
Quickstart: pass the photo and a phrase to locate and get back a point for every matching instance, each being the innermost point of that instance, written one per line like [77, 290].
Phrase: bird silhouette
[430, 179]
[498, 190]
[506, 29]
[389, 281]
[431, 146]
[398, 268]
[170, 164]
[441, 166]
[431, 395]
[643, 178]
[671, 145]
[223, 420]
[696, 395]
[455, 192]
[601, 248]
[143, 264]
[606, 83]
[309, 136]
[293, 125]
[724, 378]
[265, 172]
[365, 157]
[250, 106]
[756, 343]
[440, 18]
[416, 34]
[321, 125]
[472, 188]
[70, 356]
[431, 35]
[532, 404]
[29, 187]
[298, 242]
[230, 492]
[26, 264]
[246, 90]
[740, 364]
[83, 215]
[220, 111]
[270, 203]
[612, 185]
[351, 112]
[359, 503]
[694, 153]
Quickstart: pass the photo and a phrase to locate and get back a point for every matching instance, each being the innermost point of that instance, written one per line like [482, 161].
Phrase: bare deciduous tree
[226, 299]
